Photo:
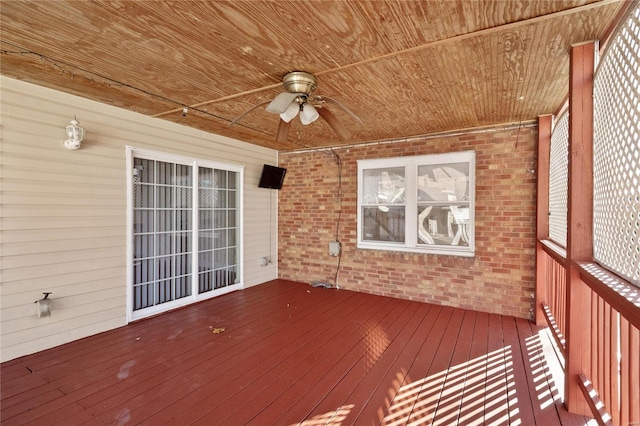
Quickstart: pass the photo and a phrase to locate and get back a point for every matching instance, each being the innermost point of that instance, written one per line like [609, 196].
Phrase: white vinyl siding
[64, 212]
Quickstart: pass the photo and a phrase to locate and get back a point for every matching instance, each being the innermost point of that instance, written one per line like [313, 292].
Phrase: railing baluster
[624, 369]
[594, 340]
[562, 282]
[606, 352]
[599, 385]
[633, 354]
[612, 373]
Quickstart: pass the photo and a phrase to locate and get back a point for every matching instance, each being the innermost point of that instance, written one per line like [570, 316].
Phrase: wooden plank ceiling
[406, 68]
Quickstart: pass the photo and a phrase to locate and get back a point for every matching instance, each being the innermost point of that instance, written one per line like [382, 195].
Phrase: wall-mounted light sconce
[75, 134]
[44, 306]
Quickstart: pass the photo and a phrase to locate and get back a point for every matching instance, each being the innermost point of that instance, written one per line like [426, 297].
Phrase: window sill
[442, 251]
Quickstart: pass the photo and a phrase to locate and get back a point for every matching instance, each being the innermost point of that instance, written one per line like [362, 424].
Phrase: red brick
[499, 279]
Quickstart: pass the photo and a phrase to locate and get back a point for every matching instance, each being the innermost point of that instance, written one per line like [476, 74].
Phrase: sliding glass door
[180, 208]
[218, 235]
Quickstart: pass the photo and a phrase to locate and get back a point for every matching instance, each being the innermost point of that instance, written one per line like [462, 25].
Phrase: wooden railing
[615, 342]
[594, 314]
[554, 305]
[611, 385]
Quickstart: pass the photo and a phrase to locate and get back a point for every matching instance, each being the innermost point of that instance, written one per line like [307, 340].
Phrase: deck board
[258, 384]
[430, 386]
[449, 403]
[292, 354]
[257, 345]
[369, 343]
[498, 411]
[519, 398]
[347, 373]
[377, 390]
[410, 391]
[348, 344]
[369, 376]
[472, 396]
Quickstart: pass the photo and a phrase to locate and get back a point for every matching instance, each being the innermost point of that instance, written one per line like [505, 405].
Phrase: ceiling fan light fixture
[308, 114]
[298, 99]
[280, 103]
[291, 112]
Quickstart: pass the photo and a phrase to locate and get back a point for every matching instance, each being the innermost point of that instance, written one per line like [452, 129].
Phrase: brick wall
[499, 279]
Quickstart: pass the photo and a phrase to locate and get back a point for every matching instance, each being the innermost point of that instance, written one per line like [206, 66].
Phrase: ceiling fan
[298, 100]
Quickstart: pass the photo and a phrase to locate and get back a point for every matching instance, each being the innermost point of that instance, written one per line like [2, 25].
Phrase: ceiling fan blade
[281, 102]
[283, 131]
[238, 118]
[342, 107]
[335, 124]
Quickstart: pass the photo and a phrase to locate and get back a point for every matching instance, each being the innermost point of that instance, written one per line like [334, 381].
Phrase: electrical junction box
[334, 248]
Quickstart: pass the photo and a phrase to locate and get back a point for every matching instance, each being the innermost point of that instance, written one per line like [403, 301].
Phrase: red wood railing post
[579, 223]
[542, 216]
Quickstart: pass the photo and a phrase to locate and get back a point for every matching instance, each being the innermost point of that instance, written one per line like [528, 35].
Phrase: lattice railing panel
[617, 154]
[558, 178]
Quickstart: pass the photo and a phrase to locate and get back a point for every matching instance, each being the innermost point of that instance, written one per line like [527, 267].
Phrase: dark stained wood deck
[292, 354]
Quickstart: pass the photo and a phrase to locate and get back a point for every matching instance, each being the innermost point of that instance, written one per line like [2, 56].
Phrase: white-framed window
[419, 204]
[184, 231]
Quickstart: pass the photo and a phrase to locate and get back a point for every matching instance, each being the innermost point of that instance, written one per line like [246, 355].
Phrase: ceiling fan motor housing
[299, 82]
